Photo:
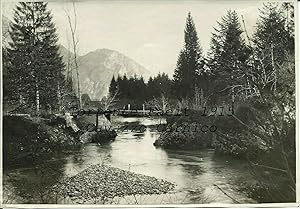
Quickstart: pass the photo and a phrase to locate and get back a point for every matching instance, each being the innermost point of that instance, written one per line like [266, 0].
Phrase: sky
[149, 31]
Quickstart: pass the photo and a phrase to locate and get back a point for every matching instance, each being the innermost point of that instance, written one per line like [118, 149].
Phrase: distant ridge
[5, 30]
[97, 68]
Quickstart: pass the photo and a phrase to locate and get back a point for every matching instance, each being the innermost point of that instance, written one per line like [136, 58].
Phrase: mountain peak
[105, 50]
[97, 68]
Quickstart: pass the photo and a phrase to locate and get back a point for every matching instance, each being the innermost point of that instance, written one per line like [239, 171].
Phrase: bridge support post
[143, 109]
[97, 121]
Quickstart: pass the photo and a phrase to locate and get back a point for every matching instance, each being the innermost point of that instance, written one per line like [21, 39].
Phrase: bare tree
[73, 29]
[110, 100]
[274, 121]
[199, 99]
[160, 103]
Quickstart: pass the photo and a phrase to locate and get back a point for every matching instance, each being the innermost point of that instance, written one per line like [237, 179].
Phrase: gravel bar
[102, 181]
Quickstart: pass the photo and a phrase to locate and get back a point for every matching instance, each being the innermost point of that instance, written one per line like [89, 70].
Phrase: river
[200, 176]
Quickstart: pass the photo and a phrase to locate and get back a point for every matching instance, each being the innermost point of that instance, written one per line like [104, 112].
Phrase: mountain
[65, 53]
[5, 28]
[98, 67]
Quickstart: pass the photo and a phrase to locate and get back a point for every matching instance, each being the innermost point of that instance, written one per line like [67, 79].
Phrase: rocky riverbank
[103, 134]
[105, 182]
[185, 132]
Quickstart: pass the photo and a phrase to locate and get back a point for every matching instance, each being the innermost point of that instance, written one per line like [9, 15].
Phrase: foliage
[185, 132]
[30, 139]
[228, 59]
[136, 92]
[85, 98]
[264, 129]
[189, 64]
[158, 85]
[35, 72]
[259, 79]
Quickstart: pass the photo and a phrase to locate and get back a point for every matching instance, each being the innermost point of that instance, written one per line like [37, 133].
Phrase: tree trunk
[37, 94]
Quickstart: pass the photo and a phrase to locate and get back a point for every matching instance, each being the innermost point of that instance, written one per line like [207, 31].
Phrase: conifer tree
[272, 32]
[288, 13]
[36, 66]
[189, 62]
[228, 58]
[7, 88]
[150, 88]
[113, 86]
[273, 44]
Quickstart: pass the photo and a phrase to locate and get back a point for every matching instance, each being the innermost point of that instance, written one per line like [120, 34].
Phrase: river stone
[102, 181]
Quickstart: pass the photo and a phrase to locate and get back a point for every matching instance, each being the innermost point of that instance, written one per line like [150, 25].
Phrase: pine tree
[188, 64]
[228, 58]
[120, 86]
[113, 86]
[273, 35]
[288, 10]
[141, 91]
[273, 43]
[36, 66]
[164, 84]
[150, 89]
[7, 88]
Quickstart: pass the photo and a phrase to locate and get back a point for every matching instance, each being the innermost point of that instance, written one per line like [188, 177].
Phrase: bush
[185, 132]
[27, 139]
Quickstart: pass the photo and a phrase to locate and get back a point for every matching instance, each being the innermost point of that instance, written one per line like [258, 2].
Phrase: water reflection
[90, 154]
[200, 176]
[32, 183]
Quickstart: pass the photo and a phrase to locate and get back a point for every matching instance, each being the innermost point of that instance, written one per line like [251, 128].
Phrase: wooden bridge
[136, 113]
[124, 113]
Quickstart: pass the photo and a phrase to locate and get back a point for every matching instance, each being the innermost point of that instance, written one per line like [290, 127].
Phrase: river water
[200, 176]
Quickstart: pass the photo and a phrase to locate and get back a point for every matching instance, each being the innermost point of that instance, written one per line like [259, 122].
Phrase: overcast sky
[150, 32]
